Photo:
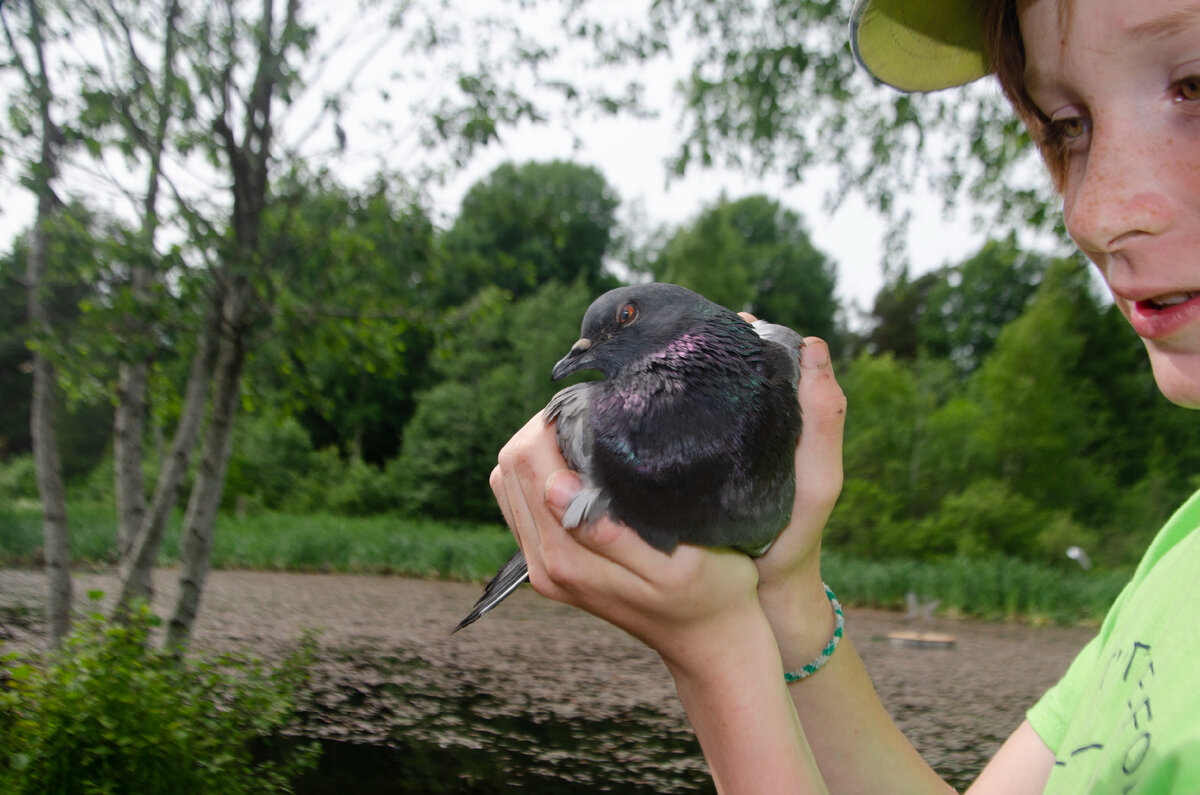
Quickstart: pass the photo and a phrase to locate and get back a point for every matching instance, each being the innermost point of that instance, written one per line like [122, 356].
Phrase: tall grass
[376, 544]
[994, 588]
[279, 542]
[92, 532]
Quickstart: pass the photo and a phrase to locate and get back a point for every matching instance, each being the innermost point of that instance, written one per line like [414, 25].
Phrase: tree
[348, 340]
[133, 99]
[494, 359]
[144, 108]
[188, 95]
[15, 390]
[244, 127]
[29, 56]
[523, 226]
[1042, 417]
[957, 311]
[753, 255]
[773, 87]
[970, 303]
[74, 244]
[897, 312]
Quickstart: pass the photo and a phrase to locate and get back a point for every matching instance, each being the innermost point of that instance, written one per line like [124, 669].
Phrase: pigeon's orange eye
[626, 314]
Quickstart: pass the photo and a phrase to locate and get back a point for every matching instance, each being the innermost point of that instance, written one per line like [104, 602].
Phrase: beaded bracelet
[822, 658]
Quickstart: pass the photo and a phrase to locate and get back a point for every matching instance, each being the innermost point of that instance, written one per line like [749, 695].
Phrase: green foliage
[350, 337]
[956, 312]
[495, 363]
[1018, 454]
[987, 585]
[969, 303]
[21, 539]
[988, 518]
[274, 468]
[523, 226]
[18, 478]
[347, 486]
[73, 283]
[772, 87]
[753, 255]
[1040, 416]
[109, 714]
[271, 455]
[16, 383]
[380, 544]
[896, 314]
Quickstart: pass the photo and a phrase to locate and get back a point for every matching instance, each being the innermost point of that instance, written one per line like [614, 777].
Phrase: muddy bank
[544, 696]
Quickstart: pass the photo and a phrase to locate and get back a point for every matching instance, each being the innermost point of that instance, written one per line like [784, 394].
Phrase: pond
[543, 697]
[531, 754]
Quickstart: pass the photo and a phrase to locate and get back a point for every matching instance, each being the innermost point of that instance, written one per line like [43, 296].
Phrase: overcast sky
[631, 154]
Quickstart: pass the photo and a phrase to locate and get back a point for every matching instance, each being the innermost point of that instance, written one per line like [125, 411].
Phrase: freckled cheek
[1079, 192]
[1186, 175]
[1181, 177]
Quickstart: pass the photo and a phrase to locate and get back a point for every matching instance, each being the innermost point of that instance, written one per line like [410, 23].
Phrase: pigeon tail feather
[588, 505]
[515, 572]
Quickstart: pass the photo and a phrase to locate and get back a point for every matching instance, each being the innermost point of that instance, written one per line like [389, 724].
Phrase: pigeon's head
[626, 323]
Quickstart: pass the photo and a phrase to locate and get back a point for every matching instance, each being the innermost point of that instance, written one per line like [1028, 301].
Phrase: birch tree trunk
[129, 423]
[201, 516]
[249, 158]
[137, 565]
[43, 409]
[129, 418]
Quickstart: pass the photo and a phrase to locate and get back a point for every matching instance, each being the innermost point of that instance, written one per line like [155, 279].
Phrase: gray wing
[569, 409]
[784, 336]
[793, 342]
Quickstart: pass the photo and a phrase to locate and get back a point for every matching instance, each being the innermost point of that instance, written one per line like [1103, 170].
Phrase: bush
[271, 456]
[96, 486]
[18, 478]
[109, 714]
[986, 518]
[349, 487]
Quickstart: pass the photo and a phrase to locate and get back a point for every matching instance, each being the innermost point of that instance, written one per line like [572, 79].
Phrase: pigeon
[690, 436]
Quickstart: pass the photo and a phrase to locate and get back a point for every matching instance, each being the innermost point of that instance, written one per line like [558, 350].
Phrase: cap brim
[919, 45]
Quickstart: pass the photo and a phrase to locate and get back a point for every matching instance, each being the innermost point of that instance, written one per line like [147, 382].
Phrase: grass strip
[993, 587]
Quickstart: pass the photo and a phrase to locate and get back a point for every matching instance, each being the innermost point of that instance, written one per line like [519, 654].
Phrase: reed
[993, 587]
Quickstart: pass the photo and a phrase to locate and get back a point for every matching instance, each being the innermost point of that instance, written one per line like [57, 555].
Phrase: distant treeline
[996, 407]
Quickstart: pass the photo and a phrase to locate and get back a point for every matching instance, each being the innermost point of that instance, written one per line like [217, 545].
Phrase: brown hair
[1006, 54]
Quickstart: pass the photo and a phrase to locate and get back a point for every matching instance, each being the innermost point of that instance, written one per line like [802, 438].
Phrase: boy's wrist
[801, 617]
[715, 649]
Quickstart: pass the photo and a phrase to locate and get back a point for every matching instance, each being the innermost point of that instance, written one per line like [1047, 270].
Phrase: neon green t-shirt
[1125, 718]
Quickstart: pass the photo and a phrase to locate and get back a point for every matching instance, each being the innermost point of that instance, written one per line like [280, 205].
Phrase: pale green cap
[919, 45]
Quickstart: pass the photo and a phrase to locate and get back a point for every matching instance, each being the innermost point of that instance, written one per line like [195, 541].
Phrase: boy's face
[1119, 81]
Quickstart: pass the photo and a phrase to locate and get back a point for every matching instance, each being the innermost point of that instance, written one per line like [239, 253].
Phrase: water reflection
[392, 736]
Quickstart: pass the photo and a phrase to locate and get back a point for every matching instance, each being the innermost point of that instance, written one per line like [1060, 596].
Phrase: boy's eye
[1071, 128]
[1189, 88]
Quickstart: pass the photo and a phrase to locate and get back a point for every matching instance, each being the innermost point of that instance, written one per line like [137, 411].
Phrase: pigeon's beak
[578, 358]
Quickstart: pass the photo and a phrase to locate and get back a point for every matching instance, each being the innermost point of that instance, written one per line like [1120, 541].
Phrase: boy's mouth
[1166, 301]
